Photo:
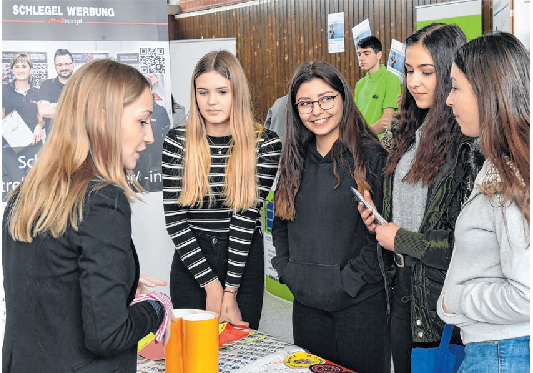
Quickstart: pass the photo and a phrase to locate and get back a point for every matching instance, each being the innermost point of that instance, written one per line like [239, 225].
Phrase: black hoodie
[326, 255]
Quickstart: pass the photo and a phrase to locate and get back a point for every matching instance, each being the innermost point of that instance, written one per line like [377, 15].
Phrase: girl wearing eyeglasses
[324, 253]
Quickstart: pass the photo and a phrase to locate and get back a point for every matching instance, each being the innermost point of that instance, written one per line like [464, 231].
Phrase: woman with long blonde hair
[70, 267]
[217, 170]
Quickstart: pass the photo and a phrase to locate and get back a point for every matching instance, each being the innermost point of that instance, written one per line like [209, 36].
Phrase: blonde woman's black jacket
[67, 298]
[431, 247]
[326, 256]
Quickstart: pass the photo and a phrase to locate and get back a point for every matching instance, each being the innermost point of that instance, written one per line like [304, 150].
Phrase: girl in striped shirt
[217, 171]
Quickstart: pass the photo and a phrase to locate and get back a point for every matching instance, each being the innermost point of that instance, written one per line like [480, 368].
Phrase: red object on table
[231, 333]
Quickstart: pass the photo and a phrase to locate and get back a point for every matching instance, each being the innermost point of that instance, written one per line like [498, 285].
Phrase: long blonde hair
[84, 143]
[240, 184]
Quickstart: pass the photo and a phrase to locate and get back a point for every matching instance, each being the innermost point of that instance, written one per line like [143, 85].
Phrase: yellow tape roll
[200, 343]
[174, 348]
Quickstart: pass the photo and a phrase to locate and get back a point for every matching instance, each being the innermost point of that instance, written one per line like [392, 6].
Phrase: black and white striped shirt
[181, 222]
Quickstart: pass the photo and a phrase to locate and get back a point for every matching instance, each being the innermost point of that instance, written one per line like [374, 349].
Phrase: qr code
[40, 73]
[152, 60]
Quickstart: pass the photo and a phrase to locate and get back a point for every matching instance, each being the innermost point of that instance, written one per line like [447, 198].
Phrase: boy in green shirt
[375, 94]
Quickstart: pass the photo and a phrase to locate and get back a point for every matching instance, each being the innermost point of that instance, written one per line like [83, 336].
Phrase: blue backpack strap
[446, 336]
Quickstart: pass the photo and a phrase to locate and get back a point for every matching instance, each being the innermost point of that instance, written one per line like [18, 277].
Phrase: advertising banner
[464, 13]
[129, 32]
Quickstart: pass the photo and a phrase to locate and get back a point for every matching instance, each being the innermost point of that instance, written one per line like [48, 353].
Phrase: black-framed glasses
[324, 102]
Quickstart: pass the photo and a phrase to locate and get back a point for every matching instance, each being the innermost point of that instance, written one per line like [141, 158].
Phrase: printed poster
[103, 29]
[361, 31]
[522, 21]
[396, 61]
[336, 32]
[501, 15]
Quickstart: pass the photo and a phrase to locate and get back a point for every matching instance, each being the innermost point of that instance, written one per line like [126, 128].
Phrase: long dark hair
[441, 40]
[497, 67]
[353, 131]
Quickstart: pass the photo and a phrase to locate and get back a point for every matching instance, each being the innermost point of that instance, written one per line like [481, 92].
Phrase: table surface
[255, 353]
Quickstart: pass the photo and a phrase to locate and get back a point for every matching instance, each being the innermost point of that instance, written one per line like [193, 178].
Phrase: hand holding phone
[378, 218]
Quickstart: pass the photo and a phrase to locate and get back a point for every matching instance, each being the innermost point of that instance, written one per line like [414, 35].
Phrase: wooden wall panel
[274, 37]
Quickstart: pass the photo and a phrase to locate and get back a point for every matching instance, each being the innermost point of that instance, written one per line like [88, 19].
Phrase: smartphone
[378, 218]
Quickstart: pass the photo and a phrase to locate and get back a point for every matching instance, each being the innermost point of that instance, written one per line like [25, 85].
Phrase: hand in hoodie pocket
[316, 285]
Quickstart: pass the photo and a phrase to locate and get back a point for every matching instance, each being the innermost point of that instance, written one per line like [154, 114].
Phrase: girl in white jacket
[486, 291]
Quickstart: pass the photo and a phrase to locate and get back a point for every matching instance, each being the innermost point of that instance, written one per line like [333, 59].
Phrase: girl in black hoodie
[324, 253]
